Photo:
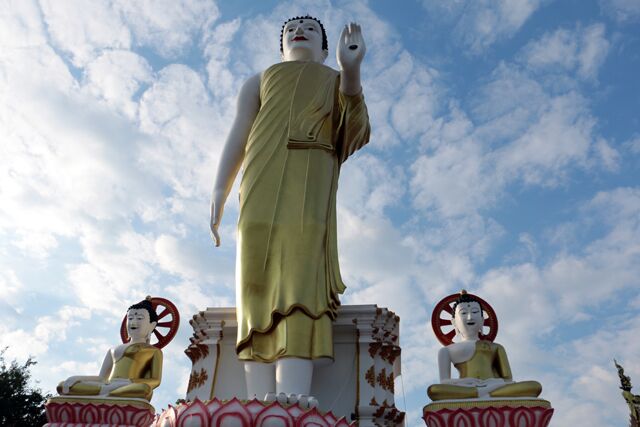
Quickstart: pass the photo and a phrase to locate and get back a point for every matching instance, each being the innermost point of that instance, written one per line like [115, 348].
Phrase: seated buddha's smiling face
[468, 320]
[139, 326]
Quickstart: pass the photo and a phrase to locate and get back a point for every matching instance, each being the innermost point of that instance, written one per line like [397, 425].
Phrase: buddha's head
[468, 319]
[303, 38]
[141, 321]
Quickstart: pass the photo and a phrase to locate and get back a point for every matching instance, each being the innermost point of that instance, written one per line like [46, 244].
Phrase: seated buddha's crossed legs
[94, 388]
[449, 391]
[518, 389]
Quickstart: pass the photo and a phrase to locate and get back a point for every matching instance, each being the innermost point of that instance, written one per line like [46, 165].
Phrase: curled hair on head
[146, 305]
[325, 43]
[465, 297]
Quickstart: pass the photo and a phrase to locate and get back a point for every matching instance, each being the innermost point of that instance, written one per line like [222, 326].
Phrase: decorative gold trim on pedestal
[215, 370]
[356, 412]
[99, 401]
[463, 404]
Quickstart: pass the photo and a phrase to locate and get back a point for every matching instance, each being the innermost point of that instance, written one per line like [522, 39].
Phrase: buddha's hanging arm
[233, 152]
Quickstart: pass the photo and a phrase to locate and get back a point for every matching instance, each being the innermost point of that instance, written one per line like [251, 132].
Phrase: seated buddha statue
[483, 365]
[130, 370]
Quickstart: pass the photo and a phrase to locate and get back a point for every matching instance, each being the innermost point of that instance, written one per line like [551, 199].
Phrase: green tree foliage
[20, 404]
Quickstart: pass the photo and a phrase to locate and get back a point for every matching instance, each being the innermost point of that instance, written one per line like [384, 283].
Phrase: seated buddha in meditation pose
[483, 365]
[129, 370]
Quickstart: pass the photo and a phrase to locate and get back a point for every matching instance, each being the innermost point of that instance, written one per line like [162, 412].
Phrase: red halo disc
[167, 326]
[445, 307]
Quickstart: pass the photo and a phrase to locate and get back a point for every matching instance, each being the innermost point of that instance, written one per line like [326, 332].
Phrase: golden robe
[140, 363]
[287, 272]
[488, 364]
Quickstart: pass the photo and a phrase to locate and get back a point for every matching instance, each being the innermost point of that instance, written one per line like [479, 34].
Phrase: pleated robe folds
[287, 272]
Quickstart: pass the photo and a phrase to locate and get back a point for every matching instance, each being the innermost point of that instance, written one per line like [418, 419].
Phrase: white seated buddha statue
[130, 370]
[483, 365]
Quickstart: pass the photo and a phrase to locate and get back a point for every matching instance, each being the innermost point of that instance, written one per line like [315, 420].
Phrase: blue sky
[504, 159]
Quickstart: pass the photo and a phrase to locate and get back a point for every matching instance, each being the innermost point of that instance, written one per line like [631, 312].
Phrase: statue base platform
[488, 413]
[357, 386]
[66, 411]
[253, 413]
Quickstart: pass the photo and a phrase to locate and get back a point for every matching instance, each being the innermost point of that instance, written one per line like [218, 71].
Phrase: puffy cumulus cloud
[84, 28]
[73, 163]
[69, 158]
[117, 268]
[20, 24]
[167, 26]
[623, 11]
[570, 286]
[517, 131]
[117, 76]
[21, 344]
[222, 81]
[455, 179]
[370, 184]
[617, 206]
[589, 361]
[582, 50]
[193, 259]
[10, 288]
[545, 303]
[411, 114]
[177, 111]
[560, 136]
[192, 297]
[24, 343]
[479, 24]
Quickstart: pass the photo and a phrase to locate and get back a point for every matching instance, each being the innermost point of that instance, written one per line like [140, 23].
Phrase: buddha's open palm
[351, 47]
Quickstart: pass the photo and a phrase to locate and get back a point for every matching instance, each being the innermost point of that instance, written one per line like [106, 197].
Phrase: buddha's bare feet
[304, 401]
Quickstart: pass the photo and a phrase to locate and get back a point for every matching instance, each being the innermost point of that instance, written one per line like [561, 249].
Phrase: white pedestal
[359, 385]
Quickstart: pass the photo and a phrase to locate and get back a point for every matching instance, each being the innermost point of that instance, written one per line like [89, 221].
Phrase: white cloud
[84, 27]
[623, 11]
[594, 50]
[20, 24]
[10, 289]
[195, 261]
[454, 179]
[168, 26]
[222, 81]
[118, 268]
[582, 50]
[480, 23]
[560, 136]
[633, 144]
[523, 133]
[115, 167]
[186, 130]
[116, 76]
[23, 344]
[543, 303]
[592, 369]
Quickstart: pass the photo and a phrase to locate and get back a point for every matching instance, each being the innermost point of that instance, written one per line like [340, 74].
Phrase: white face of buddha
[139, 325]
[468, 320]
[302, 41]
